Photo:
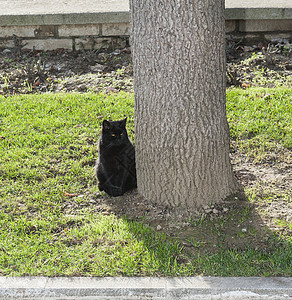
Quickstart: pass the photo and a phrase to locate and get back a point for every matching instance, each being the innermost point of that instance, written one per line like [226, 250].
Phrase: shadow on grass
[229, 239]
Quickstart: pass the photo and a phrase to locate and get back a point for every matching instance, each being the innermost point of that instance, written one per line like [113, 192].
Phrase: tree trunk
[182, 134]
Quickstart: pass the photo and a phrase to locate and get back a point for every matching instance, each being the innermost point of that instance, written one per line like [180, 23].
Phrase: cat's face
[114, 132]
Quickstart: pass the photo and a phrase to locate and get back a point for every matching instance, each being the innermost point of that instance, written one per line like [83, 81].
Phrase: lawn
[54, 221]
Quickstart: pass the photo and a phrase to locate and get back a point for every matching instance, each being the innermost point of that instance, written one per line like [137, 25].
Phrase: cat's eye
[113, 134]
[121, 133]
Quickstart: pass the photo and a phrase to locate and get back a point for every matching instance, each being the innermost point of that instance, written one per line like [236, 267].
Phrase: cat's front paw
[115, 191]
[100, 187]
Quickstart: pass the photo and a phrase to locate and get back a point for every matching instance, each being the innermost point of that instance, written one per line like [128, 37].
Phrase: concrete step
[92, 24]
[146, 288]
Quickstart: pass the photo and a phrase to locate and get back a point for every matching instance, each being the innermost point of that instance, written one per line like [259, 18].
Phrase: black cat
[115, 168]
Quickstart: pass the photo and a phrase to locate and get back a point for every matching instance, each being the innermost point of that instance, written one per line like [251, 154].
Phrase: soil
[110, 70]
[65, 71]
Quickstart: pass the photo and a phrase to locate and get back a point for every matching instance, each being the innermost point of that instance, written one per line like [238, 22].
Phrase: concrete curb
[56, 12]
[124, 17]
[146, 288]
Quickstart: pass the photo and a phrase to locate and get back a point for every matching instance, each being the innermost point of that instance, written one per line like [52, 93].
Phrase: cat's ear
[106, 125]
[123, 123]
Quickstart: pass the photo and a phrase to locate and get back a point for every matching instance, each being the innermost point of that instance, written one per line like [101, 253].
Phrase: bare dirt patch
[111, 70]
[65, 71]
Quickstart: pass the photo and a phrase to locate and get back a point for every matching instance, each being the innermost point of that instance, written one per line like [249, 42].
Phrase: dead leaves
[70, 195]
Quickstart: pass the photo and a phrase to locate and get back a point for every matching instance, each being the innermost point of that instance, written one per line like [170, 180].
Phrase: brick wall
[94, 36]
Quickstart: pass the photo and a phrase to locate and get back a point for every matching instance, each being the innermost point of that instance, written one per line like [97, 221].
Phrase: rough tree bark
[182, 134]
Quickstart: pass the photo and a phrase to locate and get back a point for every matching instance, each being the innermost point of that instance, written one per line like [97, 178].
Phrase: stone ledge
[64, 19]
[108, 23]
[258, 13]
[123, 17]
[265, 25]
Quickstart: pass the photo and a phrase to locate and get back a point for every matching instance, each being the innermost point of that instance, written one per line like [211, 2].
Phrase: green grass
[260, 120]
[49, 226]
[83, 245]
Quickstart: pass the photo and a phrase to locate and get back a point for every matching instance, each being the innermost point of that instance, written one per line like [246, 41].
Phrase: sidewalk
[146, 288]
[34, 7]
